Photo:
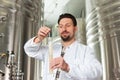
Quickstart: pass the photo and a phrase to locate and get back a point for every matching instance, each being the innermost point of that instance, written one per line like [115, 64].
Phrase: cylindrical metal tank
[19, 21]
[103, 34]
[13, 36]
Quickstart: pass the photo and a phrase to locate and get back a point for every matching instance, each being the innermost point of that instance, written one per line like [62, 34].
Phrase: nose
[64, 28]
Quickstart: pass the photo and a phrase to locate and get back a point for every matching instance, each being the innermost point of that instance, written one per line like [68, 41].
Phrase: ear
[76, 28]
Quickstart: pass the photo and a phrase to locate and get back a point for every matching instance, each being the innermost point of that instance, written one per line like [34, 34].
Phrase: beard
[65, 38]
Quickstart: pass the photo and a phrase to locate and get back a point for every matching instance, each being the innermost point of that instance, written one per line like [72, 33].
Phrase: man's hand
[42, 33]
[59, 62]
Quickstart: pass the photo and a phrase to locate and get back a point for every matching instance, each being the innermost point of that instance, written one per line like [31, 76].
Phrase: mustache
[65, 32]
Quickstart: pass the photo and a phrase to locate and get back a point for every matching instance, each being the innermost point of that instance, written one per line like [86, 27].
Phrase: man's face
[66, 29]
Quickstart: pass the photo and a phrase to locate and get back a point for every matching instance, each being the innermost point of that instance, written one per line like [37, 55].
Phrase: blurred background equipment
[103, 34]
[1, 74]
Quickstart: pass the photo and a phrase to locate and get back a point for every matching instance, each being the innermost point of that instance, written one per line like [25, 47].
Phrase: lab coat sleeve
[90, 69]
[35, 49]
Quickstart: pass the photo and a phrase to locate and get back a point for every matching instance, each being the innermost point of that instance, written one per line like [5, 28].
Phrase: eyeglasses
[66, 25]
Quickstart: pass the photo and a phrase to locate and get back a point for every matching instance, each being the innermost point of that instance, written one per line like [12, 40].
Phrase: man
[71, 60]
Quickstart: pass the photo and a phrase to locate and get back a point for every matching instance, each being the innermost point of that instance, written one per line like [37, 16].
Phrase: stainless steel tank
[19, 21]
[103, 34]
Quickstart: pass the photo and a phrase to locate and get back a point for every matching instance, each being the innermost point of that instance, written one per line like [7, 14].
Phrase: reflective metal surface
[16, 18]
[103, 34]
[1, 74]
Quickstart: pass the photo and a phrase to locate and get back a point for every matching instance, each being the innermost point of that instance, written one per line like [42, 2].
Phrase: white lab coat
[80, 58]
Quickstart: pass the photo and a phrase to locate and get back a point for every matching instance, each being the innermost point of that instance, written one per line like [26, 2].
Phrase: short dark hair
[67, 15]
